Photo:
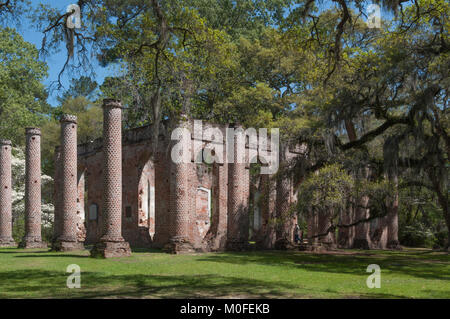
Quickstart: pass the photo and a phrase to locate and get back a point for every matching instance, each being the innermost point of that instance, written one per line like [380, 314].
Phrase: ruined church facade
[191, 206]
[124, 191]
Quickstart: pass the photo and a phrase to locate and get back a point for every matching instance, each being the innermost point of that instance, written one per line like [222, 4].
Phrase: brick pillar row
[6, 239]
[111, 243]
[67, 237]
[32, 238]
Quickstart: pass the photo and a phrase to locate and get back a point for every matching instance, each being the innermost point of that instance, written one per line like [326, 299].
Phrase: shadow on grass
[96, 285]
[437, 267]
[145, 250]
[45, 284]
[24, 251]
[56, 255]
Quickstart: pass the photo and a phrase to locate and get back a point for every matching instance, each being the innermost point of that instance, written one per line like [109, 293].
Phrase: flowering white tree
[18, 196]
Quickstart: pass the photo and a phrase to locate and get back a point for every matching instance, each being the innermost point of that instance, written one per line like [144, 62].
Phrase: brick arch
[82, 213]
[146, 203]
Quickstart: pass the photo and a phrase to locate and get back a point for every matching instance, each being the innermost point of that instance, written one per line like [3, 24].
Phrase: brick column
[162, 193]
[32, 238]
[6, 239]
[283, 203]
[111, 243]
[180, 201]
[238, 193]
[217, 233]
[67, 239]
[262, 237]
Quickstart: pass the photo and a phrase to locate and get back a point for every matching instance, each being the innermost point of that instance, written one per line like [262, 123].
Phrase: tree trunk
[392, 217]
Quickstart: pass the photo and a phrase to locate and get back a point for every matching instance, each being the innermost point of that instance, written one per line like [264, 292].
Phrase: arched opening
[81, 204]
[203, 202]
[146, 200]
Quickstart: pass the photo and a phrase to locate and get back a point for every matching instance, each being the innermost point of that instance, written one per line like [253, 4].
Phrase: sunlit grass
[271, 274]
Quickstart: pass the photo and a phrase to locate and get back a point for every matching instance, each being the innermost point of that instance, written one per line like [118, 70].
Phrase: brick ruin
[124, 191]
[179, 207]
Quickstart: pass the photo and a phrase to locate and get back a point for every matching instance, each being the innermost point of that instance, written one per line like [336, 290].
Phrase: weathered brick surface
[238, 196]
[111, 243]
[180, 200]
[180, 193]
[266, 235]
[162, 193]
[216, 237]
[284, 200]
[67, 239]
[6, 239]
[32, 238]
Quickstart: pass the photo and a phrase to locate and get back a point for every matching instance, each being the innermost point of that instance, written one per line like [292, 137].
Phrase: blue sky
[56, 61]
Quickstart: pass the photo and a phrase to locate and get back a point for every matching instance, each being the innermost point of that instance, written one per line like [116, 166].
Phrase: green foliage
[417, 235]
[90, 123]
[327, 189]
[22, 95]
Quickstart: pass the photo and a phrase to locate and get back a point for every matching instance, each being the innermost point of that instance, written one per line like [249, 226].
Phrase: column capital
[68, 118]
[33, 131]
[112, 103]
[5, 142]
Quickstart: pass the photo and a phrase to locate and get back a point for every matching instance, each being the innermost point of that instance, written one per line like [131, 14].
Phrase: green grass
[272, 274]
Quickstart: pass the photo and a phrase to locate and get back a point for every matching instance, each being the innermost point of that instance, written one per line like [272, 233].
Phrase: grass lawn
[411, 273]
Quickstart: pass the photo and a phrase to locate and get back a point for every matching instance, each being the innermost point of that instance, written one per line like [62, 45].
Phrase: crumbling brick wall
[146, 216]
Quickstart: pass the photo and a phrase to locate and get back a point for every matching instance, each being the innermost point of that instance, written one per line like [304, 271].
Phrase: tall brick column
[264, 233]
[67, 239]
[32, 238]
[6, 239]
[217, 233]
[283, 203]
[111, 243]
[180, 201]
[238, 197]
